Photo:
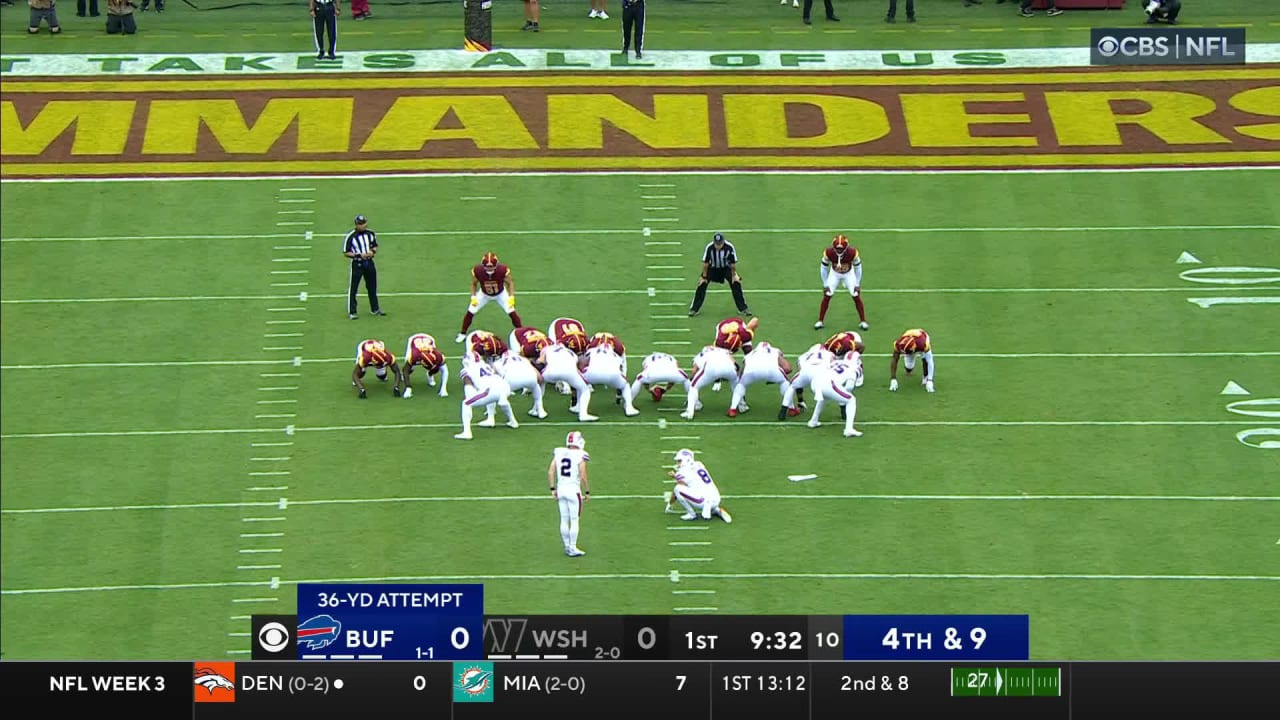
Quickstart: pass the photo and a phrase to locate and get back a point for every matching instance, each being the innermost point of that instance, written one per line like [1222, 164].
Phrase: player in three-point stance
[421, 350]
[912, 345]
[521, 375]
[602, 366]
[710, 366]
[567, 476]
[764, 364]
[841, 265]
[835, 383]
[374, 353]
[695, 490]
[807, 366]
[560, 365]
[490, 282]
[482, 386]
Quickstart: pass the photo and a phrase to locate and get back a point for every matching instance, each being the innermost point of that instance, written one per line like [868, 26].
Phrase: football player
[912, 345]
[658, 369]
[520, 374]
[765, 363]
[603, 366]
[843, 343]
[571, 334]
[527, 341]
[835, 383]
[611, 341]
[567, 476]
[710, 366]
[482, 386]
[560, 365]
[490, 282]
[486, 344]
[422, 350]
[734, 334]
[695, 490]
[374, 353]
[841, 265]
[807, 366]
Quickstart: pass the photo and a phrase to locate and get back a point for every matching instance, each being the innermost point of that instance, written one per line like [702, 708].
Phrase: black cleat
[782, 413]
[364, 395]
[379, 312]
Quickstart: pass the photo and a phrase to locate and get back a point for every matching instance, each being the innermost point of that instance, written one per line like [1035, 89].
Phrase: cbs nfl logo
[1166, 46]
[274, 637]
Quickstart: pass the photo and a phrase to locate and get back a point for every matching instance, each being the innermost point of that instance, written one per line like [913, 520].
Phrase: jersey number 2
[566, 467]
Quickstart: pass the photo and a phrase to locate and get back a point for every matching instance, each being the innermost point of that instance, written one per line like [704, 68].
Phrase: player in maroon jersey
[374, 353]
[422, 351]
[734, 334]
[841, 265]
[570, 333]
[528, 342]
[912, 345]
[843, 343]
[486, 344]
[490, 282]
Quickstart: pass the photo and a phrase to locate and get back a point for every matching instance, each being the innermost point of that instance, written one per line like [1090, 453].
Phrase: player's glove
[364, 394]
[893, 385]
[928, 385]
[1153, 6]
[475, 303]
[511, 303]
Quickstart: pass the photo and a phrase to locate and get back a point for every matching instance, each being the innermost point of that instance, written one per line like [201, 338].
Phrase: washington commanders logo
[473, 682]
[215, 682]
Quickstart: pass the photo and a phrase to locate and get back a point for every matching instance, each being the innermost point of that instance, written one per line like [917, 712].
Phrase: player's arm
[312, 6]
[444, 379]
[893, 369]
[824, 267]
[408, 370]
[399, 379]
[857, 271]
[551, 476]
[582, 477]
[509, 283]
[355, 378]
[706, 267]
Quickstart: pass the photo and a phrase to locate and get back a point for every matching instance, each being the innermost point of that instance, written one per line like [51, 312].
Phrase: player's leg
[819, 400]
[539, 390]
[828, 289]
[856, 294]
[406, 375]
[909, 362]
[695, 387]
[575, 518]
[580, 386]
[566, 512]
[850, 410]
[692, 505]
[466, 422]
[628, 398]
[638, 384]
[371, 286]
[739, 398]
[444, 380]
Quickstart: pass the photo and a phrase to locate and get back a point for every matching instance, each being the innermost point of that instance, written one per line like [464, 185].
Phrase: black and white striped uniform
[357, 242]
[719, 260]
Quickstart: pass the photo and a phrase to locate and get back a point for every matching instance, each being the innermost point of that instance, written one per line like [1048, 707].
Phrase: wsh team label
[539, 123]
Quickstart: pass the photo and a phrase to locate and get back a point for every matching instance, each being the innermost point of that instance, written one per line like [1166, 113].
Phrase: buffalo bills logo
[318, 632]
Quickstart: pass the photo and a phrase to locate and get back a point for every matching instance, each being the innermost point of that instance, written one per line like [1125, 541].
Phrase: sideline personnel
[324, 15]
[361, 245]
[633, 26]
[719, 264]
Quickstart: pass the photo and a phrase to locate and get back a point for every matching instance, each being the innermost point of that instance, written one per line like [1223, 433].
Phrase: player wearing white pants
[695, 490]
[834, 384]
[604, 367]
[912, 345]
[482, 386]
[560, 365]
[710, 366]
[764, 364]
[567, 476]
[520, 374]
[807, 365]
[656, 370]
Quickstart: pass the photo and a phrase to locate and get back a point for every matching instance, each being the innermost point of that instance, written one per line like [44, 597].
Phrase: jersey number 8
[706, 478]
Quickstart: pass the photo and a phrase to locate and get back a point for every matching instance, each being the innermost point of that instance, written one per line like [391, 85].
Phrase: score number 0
[460, 638]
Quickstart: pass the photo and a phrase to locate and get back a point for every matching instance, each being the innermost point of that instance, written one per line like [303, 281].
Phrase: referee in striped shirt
[361, 245]
[719, 264]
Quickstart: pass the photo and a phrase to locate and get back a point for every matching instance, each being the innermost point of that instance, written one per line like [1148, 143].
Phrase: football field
[181, 444]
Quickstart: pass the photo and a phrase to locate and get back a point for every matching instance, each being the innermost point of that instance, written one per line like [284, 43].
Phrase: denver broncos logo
[218, 681]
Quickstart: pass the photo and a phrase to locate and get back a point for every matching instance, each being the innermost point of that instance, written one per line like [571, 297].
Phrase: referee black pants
[633, 27]
[718, 275]
[808, 5]
[326, 20]
[367, 271]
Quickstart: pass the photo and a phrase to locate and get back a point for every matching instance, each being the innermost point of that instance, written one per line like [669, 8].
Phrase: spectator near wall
[120, 17]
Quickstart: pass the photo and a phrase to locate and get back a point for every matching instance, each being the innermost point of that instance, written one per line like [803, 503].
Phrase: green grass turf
[979, 289]
[672, 25]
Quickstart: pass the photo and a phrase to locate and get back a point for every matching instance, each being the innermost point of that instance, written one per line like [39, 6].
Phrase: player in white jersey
[659, 369]
[560, 364]
[482, 386]
[764, 364]
[835, 384]
[807, 365]
[710, 366]
[567, 476]
[520, 374]
[695, 490]
[603, 366]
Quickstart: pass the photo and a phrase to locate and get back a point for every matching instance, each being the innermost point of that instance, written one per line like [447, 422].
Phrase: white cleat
[594, 14]
[814, 423]
[794, 3]
[587, 418]
[724, 516]
[538, 413]
[631, 412]
[408, 393]
[688, 516]
[603, 15]
[929, 386]
[574, 552]
[716, 387]
[819, 325]
[444, 393]
[463, 436]
[686, 415]
[513, 423]
[431, 381]
[460, 337]
[562, 388]
[863, 326]
[743, 407]
[487, 422]
[853, 433]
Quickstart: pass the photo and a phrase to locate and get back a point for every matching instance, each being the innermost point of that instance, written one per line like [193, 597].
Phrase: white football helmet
[472, 358]
[575, 440]
[684, 456]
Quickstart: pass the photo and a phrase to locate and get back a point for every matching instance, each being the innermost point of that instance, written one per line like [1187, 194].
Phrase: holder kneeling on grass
[120, 18]
[42, 10]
